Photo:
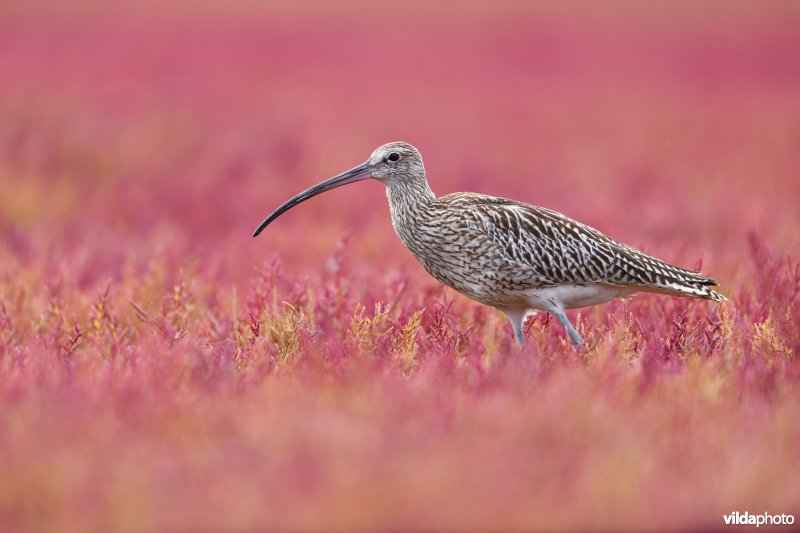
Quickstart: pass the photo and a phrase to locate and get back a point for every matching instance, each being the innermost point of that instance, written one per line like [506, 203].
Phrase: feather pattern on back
[517, 246]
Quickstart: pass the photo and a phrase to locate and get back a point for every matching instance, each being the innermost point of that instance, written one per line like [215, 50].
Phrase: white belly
[574, 296]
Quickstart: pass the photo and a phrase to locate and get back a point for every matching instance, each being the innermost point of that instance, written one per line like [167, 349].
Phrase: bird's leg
[519, 336]
[517, 319]
[573, 335]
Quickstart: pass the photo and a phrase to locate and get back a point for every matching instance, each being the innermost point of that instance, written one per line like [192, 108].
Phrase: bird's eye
[394, 156]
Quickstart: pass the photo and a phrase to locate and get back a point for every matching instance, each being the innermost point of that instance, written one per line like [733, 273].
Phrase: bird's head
[395, 161]
[388, 164]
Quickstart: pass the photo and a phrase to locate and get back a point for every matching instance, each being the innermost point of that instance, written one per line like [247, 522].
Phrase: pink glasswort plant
[159, 370]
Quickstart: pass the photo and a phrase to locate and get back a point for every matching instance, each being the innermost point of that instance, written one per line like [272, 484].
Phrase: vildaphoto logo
[765, 519]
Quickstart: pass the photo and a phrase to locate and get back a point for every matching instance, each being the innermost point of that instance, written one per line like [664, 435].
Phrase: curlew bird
[510, 255]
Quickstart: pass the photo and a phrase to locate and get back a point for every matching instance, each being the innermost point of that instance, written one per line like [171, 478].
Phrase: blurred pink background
[158, 371]
[670, 125]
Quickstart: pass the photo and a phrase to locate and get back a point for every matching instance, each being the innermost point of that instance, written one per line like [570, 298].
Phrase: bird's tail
[696, 289]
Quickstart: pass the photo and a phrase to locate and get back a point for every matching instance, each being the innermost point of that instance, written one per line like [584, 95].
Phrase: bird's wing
[556, 249]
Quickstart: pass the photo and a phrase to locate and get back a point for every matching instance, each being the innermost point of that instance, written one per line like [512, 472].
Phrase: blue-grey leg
[517, 319]
[573, 335]
[519, 336]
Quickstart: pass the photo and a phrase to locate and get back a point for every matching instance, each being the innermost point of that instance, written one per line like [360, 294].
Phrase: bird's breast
[446, 252]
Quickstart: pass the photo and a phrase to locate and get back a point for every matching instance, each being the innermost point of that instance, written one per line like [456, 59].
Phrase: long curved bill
[361, 172]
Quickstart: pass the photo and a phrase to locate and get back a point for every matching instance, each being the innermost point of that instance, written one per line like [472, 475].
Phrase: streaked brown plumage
[511, 255]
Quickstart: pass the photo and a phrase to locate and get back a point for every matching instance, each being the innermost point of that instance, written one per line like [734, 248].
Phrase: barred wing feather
[555, 249]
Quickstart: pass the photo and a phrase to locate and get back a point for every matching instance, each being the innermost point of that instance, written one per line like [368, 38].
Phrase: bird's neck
[409, 205]
[409, 197]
